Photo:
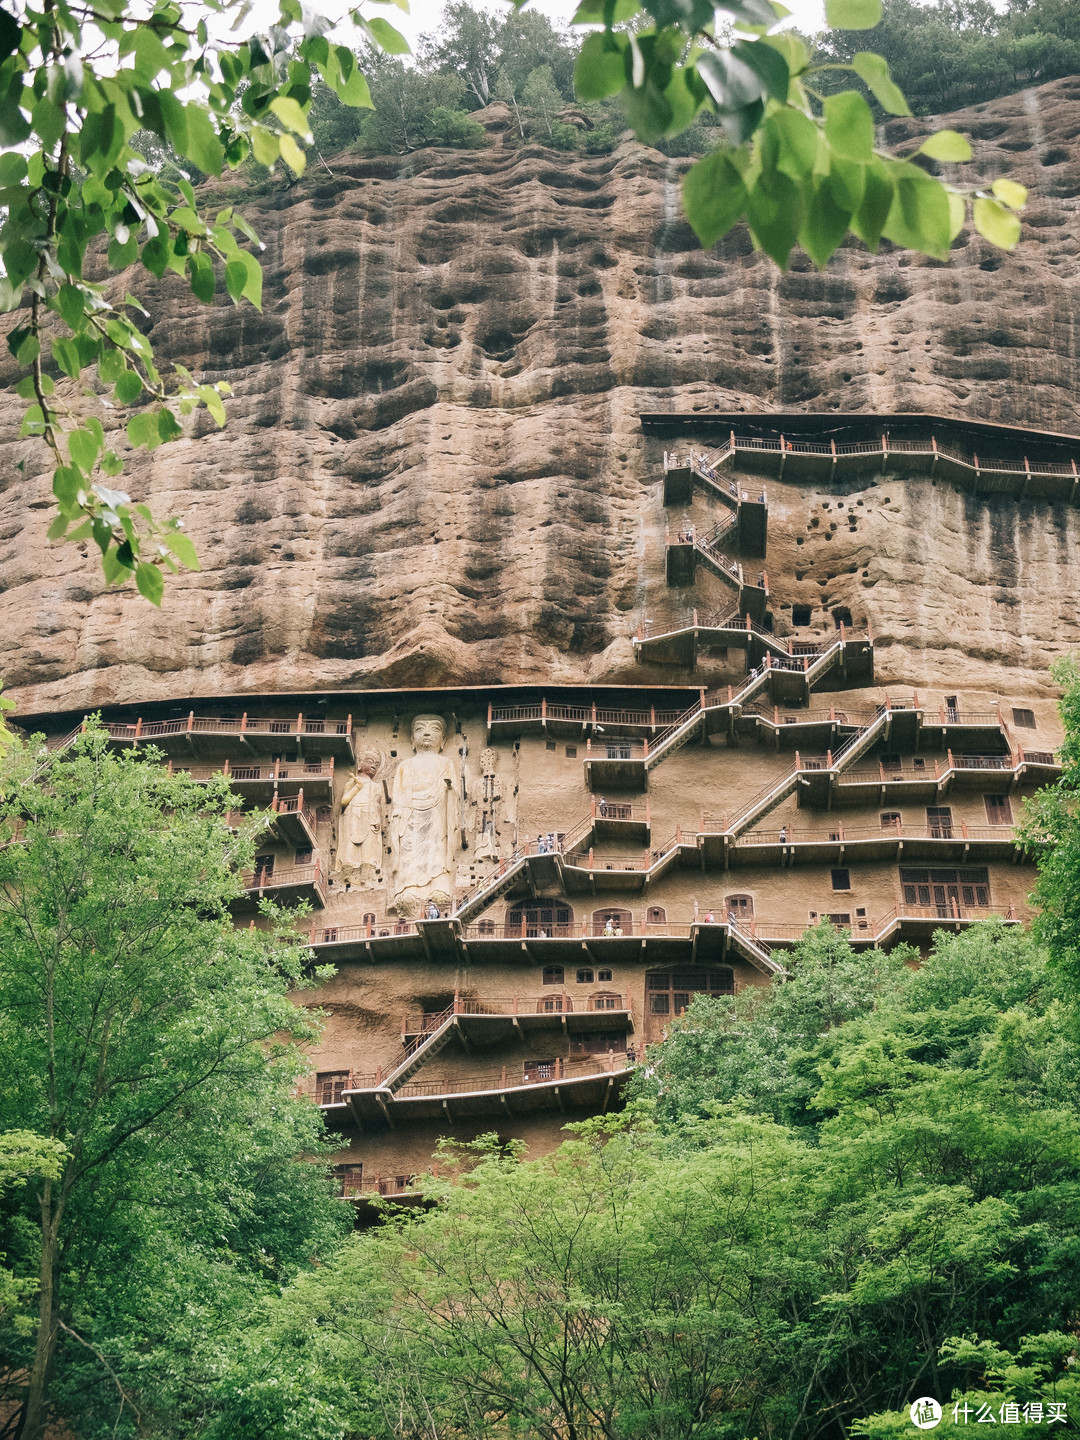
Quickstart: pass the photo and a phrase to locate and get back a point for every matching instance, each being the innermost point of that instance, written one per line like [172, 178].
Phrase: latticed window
[329, 1086]
[553, 975]
[684, 984]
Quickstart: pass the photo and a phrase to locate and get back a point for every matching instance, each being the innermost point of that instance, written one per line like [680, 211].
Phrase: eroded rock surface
[433, 472]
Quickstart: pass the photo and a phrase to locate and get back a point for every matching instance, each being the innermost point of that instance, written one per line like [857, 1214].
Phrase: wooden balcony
[796, 459]
[294, 821]
[841, 844]
[239, 735]
[492, 1022]
[574, 722]
[286, 885]
[589, 1085]
[260, 781]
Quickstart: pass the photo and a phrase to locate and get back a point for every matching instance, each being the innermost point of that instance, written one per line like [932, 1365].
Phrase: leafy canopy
[151, 1048]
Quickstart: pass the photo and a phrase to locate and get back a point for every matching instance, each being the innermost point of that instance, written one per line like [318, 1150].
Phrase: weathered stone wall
[433, 471]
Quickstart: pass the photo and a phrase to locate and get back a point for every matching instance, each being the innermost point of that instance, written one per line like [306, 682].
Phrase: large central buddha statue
[425, 821]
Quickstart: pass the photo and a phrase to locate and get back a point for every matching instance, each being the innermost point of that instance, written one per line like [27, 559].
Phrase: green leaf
[291, 115]
[1010, 193]
[66, 355]
[28, 349]
[121, 256]
[873, 71]
[142, 431]
[70, 301]
[84, 449]
[797, 140]
[111, 463]
[250, 284]
[151, 582]
[387, 38]
[66, 486]
[947, 145]
[869, 219]
[201, 275]
[774, 212]
[825, 221]
[995, 223]
[58, 528]
[919, 217]
[768, 65]
[167, 426]
[201, 143]
[852, 14]
[264, 145]
[849, 126]
[49, 121]
[957, 214]
[183, 547]
[292, 154]
[600, 70]
[714, 196]
[128, 387]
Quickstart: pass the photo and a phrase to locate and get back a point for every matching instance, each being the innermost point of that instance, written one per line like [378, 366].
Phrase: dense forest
[943, 56]
[827, 1197]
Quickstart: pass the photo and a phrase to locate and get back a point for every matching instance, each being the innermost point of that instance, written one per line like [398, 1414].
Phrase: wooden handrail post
[190, 721]
[300, 723]
[591, 866]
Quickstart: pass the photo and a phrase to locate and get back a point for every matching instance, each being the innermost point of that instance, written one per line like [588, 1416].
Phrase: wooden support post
[190, 722]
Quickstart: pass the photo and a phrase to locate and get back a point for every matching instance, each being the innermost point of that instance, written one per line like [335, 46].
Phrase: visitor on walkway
[709, 918]
[783, 834]
[432, 910]
[541, 848]
[609, 928]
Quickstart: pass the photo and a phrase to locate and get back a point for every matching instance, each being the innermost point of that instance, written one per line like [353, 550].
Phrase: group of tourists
[546, 844]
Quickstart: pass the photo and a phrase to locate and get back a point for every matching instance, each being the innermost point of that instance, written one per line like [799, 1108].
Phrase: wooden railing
[280, 879]
[558, 1070]
[554, 1002]
[840, 834]
[271, 771]
[544, 710]
[932, 450]
[212, 725]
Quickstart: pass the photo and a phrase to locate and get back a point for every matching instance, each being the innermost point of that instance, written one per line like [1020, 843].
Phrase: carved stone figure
[485, 841]
[425, 820]
[360, 839]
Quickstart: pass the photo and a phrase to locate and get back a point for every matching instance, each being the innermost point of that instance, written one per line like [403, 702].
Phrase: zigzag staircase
[422, 1049]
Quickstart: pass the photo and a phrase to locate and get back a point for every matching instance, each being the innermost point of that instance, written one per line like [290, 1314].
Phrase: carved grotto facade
[520, 887]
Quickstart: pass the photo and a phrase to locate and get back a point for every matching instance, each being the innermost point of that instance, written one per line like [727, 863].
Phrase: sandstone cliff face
[433, 472]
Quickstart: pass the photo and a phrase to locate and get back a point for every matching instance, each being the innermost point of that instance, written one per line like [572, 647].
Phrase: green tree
[466, 44]
[759, 1048]
[725, 1274]
[542, 101]
[414, 108]
[152, 1047]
